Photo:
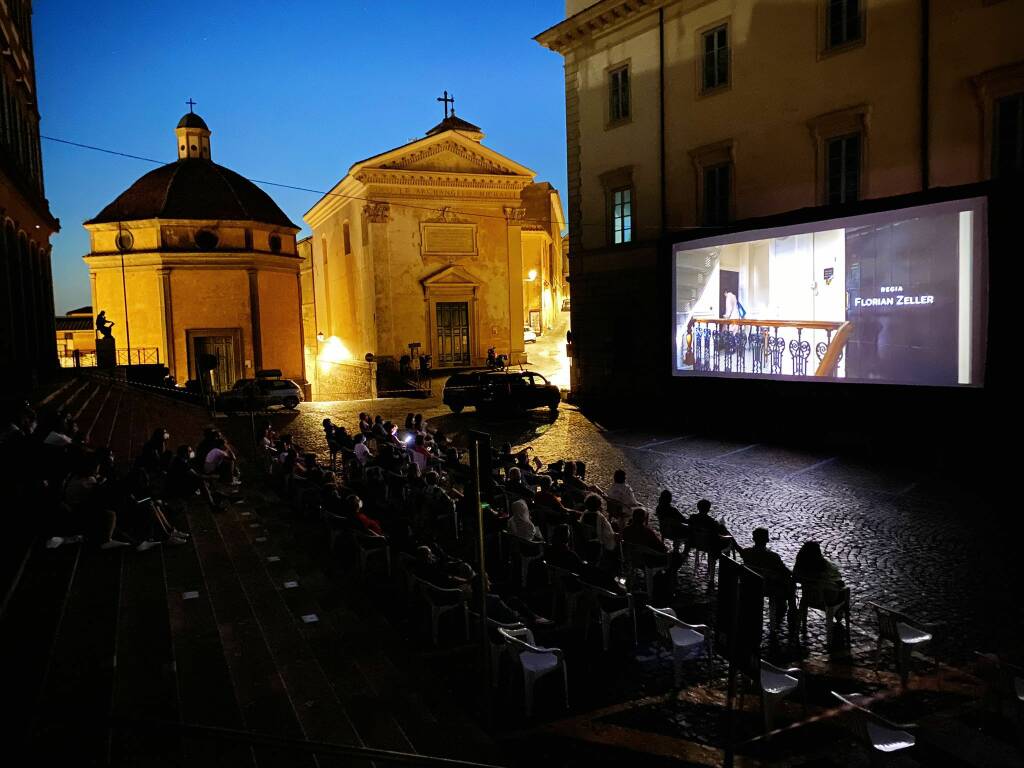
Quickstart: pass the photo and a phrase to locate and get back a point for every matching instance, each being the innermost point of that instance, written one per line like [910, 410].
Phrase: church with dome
[193, 260]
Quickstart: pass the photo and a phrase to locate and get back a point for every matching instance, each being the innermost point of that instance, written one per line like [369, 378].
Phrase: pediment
[453, 275]
[447, 153]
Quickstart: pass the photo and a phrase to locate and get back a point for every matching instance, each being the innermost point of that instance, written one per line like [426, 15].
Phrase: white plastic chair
[535, 662]
[526, 552]
[606, 613]
[905, 634]
[649, 561]
[369, 545]
[834, 606]
[688, 641]
[568, 589]
[776, 684]
[496, 642]
[883, 737]
[442, 601]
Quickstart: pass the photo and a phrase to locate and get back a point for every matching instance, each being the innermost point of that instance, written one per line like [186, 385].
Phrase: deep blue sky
[294, 92]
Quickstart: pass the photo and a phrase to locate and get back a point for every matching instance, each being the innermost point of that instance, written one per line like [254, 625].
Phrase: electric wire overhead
[450, 209]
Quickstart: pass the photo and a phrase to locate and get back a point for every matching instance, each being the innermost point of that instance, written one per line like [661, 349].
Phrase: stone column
[254, 317]
[167, 320]
[514, 228]
[378, 215]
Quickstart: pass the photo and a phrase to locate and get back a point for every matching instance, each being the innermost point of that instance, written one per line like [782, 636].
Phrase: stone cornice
[157, 260]
[198, 223]
[433, 179]
[600, 17]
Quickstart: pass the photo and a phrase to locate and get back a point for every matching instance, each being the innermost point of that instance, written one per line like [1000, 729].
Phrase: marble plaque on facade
[449, 239]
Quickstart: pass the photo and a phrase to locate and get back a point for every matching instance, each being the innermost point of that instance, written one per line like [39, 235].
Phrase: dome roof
[193, 189]
[192, 120]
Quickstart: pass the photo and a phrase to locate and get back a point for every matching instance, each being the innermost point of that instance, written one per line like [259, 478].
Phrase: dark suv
[505, 390]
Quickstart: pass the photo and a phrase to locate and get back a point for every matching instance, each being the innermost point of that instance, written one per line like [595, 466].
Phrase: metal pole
[485, 651]
[124, 294]
[734, 620]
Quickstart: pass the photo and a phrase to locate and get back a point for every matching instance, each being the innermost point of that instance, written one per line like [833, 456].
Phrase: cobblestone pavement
[916, 543]
[913, 541]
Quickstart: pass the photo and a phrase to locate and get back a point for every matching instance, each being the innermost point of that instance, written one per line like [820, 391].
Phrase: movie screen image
[896, 297]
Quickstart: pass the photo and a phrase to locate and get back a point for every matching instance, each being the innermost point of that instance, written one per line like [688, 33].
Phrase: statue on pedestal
[106, 346]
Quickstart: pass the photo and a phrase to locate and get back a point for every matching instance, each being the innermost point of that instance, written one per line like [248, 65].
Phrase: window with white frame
[622, 215]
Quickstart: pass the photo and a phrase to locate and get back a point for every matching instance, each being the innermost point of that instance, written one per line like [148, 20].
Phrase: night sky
[294, 92]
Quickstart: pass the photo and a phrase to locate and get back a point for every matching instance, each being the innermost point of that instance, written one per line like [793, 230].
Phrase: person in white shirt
[361, 451]
[595, 516]
[624, 500]
[220, 461]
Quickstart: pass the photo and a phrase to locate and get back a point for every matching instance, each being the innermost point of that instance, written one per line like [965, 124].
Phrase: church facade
[442, 242]
[193, 260]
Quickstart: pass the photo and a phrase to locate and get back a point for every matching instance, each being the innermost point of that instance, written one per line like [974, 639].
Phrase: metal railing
[82, 358]
[757, 347]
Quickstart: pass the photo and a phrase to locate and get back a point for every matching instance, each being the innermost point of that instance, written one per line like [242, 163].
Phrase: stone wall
[349, 380]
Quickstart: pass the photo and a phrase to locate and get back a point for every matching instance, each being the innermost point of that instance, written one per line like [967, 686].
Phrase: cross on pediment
[447, 100]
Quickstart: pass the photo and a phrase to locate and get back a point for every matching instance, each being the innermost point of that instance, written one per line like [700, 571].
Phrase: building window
[618, 94]
[622, 215]
[843, 22]
[716, 58]
[1008, 138]
[842, 169]
[346, 238]
[717, 195]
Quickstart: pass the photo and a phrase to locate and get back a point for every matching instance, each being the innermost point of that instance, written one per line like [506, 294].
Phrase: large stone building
[687, 114]
[194, 259]
[441, 242]
[26, 285]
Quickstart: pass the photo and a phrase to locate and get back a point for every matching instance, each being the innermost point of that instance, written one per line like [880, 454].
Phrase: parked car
[257, 394]
[500, 391]
[529, 335]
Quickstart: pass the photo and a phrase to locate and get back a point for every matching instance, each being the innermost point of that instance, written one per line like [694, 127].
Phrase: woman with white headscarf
[520, 524]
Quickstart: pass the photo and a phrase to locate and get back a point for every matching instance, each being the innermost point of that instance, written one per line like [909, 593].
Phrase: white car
[529, 335]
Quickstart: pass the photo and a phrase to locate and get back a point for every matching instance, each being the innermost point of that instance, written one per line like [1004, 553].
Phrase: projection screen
[896, 297]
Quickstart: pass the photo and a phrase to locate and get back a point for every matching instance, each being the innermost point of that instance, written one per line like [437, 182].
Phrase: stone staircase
[241, 629]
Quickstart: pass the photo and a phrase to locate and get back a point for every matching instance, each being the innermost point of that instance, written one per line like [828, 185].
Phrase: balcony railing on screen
[760, 347]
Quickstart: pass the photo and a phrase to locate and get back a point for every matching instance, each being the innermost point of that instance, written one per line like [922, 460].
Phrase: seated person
[440, 570]
[812, 568]
[220, 461]
[183, 481]
[638, 532]
[778, 580]
[362, 450]
[561, 555]
[572, 491]
[343, 439]
[419, 454]
[353, 509]
[711, 535]
[703, 522]
[593, 516]
[505, 609]
[520, 524]
[671, 521]
[550, 505]
[622, 494]
[365, 423]
[514, 483]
